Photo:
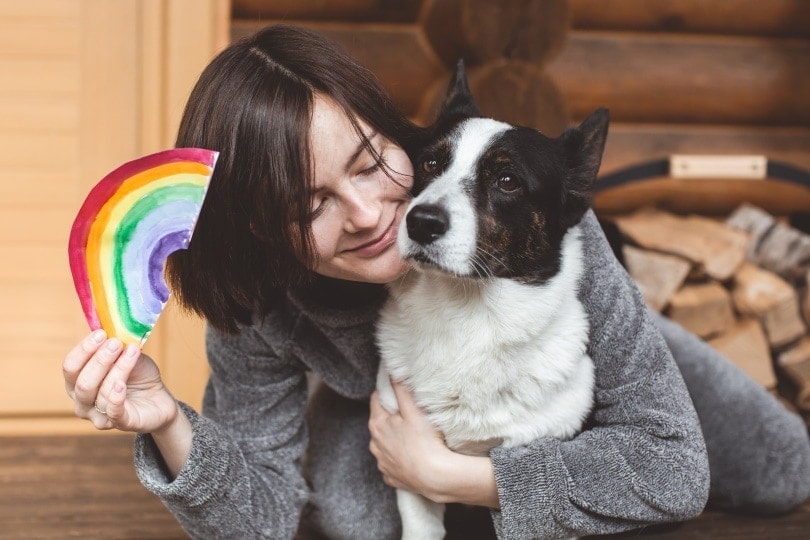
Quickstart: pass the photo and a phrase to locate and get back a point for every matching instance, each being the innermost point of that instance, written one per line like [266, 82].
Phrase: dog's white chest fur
[491, 361]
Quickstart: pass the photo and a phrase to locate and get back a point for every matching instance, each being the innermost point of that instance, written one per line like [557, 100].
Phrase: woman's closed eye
[372, 166]
[318, 206]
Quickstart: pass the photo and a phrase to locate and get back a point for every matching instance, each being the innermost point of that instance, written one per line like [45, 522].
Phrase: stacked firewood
[742, 284]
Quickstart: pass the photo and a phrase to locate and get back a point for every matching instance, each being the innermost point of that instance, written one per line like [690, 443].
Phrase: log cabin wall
[693, 77]
[679, 76]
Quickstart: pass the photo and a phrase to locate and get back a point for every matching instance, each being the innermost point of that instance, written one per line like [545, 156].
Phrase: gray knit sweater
[267, 458]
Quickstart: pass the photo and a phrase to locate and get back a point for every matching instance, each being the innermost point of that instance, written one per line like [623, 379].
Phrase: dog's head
[495, 200]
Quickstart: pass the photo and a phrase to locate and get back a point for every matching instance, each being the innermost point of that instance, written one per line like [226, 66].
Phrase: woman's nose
[363, 210]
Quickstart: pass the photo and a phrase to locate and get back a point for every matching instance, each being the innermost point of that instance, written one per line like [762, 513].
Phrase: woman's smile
[379, 244]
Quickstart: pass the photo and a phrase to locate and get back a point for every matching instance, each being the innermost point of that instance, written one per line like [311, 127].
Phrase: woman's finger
[100, 421]
[78, 356]
[120, 370]
[95, 370]
[116, 401]
[377, 411]
[113, 391]
[407, 405]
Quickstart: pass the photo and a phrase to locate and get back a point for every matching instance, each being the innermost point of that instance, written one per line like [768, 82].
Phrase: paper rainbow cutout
[129, 224]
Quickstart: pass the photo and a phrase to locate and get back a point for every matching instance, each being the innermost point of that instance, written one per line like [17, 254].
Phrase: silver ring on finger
[95, 406]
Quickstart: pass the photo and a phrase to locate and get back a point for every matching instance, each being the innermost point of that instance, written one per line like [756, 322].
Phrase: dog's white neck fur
[491, 360]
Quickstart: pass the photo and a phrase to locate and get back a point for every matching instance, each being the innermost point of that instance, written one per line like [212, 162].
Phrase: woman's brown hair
[253, 104]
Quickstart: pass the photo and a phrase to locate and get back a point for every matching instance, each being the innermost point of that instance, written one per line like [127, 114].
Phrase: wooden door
[86, 85]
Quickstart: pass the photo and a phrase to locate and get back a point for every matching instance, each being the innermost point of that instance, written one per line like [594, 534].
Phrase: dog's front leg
[422, 519]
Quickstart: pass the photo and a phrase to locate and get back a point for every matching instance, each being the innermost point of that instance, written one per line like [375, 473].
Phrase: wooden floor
[77, 487]
[85, 487]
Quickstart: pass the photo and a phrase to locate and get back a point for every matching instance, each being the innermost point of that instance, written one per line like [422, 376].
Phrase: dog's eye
[507, 183]
[430, 165]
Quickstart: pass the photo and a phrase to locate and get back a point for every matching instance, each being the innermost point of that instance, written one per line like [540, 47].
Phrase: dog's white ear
[584, 146]
[458, 103]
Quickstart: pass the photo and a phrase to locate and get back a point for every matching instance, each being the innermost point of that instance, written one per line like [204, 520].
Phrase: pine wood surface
[85, 487]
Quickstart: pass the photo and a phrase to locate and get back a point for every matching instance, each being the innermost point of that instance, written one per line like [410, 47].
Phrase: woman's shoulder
[605, 285]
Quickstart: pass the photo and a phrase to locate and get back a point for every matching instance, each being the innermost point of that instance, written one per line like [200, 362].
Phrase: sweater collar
[339, 303]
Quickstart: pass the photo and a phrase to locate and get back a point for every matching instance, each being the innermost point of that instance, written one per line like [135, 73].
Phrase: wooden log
[629, 144]
[703, 308]
[745, 345]
[795, 363]
[764, 295]
[333, 10]
[776, 18]
[658, 276]
[686, 79]
[397, 54]
[707, 197]
[774, 245]
[482, 30]
[508, 90]
[719, 250]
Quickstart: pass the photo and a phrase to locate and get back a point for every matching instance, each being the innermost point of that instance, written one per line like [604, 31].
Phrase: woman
[288, 264]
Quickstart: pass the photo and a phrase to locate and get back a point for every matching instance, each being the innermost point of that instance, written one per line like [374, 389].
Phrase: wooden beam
[686, 79]
[328, 10]
[776, 18]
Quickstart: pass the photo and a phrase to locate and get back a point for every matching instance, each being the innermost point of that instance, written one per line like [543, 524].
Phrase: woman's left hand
[409, 450]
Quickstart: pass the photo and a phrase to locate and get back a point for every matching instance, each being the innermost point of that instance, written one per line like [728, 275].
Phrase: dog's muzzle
[427, 223]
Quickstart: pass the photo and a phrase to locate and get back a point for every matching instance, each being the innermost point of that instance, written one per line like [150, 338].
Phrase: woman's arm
[426, 466]
[242, 477]
[174, 442]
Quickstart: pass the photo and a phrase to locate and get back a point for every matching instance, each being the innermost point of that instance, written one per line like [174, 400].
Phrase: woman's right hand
[117, 387]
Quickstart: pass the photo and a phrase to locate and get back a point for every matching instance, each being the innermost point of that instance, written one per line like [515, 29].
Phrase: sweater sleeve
[641, 458]
[242, 478]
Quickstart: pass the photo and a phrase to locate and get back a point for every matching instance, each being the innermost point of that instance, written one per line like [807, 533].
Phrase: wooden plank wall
[86, 86]
[680, 76]
[49, 55]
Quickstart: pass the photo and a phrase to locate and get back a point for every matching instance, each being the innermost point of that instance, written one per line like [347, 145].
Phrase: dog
[487, 329]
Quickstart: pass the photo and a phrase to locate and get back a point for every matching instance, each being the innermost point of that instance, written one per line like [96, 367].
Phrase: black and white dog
[488, 330]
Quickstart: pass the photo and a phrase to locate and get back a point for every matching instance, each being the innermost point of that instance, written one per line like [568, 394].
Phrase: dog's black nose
[426, 223]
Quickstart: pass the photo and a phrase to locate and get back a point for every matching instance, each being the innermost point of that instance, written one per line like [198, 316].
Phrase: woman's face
[356, 208]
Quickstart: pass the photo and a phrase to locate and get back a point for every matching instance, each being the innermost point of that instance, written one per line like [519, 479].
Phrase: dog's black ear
[583, 146]
[458, 103]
